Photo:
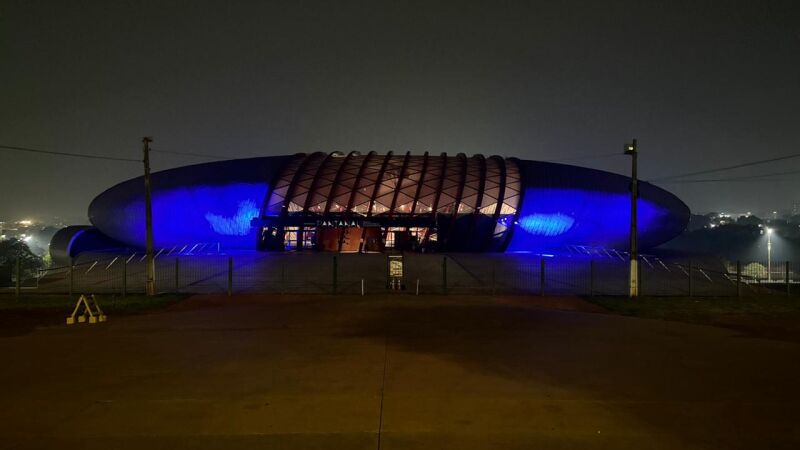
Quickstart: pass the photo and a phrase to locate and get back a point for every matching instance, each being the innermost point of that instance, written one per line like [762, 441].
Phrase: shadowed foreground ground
[394, 372]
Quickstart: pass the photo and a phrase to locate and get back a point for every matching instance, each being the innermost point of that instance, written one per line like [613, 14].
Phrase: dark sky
[700, 84]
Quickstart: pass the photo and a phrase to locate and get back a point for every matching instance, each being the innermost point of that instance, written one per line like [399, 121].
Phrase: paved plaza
[394, 372]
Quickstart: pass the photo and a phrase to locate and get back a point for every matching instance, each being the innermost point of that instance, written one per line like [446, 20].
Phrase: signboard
[396, 266]
[396, 272]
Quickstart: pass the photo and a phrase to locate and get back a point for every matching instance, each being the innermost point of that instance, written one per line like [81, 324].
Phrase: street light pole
[150, 270]
[633, 278]
[769, 254]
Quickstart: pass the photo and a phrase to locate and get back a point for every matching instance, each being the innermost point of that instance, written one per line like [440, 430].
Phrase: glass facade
[463, 201]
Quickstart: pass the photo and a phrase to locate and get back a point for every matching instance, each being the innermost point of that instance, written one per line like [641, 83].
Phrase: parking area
[394, 371]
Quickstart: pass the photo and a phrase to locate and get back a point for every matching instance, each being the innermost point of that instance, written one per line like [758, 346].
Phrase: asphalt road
[394, 372]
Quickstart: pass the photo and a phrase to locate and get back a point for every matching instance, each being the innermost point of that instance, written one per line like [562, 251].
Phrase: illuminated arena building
[368, 202]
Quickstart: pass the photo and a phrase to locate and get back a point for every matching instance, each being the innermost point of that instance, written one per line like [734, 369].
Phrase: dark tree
[10, 251]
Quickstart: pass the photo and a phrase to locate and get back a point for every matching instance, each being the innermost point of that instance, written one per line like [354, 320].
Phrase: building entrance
[347, 239]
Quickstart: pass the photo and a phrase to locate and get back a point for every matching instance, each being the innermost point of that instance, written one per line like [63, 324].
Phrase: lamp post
[633, 279]
[150, 271]
[769, 254]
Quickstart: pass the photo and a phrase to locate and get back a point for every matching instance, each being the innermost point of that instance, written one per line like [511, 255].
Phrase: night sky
[700, 84]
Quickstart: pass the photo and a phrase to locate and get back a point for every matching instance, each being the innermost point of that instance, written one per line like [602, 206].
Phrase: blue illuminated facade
[221, 213]
[565, 205]
[212, 203]
[552, 218]
[368, 202]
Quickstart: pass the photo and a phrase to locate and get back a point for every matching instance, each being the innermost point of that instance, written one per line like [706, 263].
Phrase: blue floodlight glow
[554, 217]
[238, 224]
[219, 213]
[546, 224]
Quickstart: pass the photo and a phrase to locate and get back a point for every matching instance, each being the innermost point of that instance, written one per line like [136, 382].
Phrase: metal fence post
[494, 280]
[591, 278]
[177, 275]
[691, 286]
[639, 278]
[124, 277]
[738, 278]
[541, 278]
[787, 278]
[230, 276]
[444, 274]
[283, 277]
[71, 279]
[335, 275]
[19, 277]
[403, 278]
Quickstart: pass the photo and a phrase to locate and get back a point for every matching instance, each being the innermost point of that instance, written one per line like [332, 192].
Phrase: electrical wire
[75, 155]
[197, 155]
[663, 180]
[722, 169]
[724, 180]
[764, 177]
[584, 158]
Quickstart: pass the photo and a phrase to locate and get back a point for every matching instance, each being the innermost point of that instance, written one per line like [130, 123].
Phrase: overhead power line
[197, 155]
[727, 180]
[749, 178]
[74, 155]
[584, 158]
[109, 158]
[722, 169]
[209, 156]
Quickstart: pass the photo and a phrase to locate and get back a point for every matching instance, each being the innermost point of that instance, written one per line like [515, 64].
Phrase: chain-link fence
[319, 273]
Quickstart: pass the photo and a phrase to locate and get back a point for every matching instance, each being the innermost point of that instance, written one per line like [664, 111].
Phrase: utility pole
[150, 283]
[630, 149]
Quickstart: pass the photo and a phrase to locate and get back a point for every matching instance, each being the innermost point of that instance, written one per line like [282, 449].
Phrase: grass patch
[109, 303]
[706, 310]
